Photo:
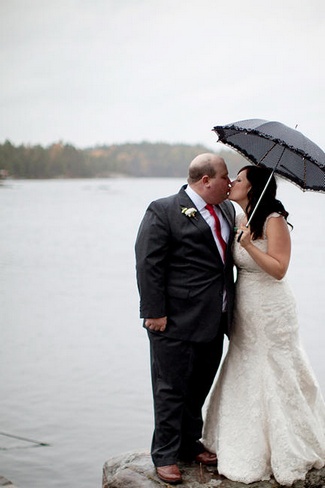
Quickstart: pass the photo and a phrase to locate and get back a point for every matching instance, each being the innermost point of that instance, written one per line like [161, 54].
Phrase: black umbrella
[285, 151]
[274, 145]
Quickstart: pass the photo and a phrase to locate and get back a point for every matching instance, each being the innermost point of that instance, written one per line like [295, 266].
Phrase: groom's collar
[196, 198]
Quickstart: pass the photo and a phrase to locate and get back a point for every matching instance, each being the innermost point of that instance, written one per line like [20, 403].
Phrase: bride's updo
[258, 177]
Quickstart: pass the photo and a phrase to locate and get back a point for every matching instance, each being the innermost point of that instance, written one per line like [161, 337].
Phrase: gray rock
[135, 470]
[6, 483]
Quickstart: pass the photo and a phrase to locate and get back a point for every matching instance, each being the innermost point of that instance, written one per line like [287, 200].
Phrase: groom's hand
[156, 324]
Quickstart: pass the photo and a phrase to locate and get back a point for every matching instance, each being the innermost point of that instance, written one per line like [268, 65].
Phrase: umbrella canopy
[284, 150]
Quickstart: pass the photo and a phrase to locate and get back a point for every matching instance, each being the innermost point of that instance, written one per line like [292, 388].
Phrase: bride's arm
[275, 261]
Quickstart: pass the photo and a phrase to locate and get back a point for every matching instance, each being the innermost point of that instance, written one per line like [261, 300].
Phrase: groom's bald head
[204, 164]
[208, 177]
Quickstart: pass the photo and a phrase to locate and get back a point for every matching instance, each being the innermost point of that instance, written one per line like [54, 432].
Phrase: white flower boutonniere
[189, 212]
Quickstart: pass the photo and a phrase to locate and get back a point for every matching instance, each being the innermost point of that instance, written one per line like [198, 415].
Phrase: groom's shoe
[207, 458]
[169, 474]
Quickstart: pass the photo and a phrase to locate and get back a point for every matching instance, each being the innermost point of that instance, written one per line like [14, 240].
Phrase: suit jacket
[180, 273]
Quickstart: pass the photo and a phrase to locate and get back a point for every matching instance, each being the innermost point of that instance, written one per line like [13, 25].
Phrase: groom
[185, 281]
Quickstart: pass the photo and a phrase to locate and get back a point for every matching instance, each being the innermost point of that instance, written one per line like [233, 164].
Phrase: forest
[143, 159]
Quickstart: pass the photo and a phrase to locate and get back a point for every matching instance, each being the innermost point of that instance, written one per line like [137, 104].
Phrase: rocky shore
[135, 470]
[6, 483]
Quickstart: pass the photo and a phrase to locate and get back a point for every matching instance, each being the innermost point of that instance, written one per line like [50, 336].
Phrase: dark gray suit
[181, 275]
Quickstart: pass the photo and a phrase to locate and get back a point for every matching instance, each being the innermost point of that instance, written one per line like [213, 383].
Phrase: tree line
[143, 159]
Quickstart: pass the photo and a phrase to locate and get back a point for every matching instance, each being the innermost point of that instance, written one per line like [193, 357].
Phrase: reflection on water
[74, 358]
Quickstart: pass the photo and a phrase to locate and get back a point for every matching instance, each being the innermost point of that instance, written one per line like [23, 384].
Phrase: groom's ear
[205, 180]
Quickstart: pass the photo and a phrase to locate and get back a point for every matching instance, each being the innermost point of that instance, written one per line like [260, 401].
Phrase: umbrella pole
[261, 196]
[257, 204]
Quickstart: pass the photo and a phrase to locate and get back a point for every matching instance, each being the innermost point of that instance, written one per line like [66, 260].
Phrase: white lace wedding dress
[266, 415]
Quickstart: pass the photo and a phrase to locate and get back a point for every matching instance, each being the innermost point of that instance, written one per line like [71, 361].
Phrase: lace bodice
[242, 259]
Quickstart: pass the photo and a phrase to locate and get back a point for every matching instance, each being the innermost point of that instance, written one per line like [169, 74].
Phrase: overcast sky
[90, 72]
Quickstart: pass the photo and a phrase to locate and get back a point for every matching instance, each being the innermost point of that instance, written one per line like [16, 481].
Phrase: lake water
[74, 358]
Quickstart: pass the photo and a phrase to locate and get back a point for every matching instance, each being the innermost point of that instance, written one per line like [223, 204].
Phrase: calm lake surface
[74, 358]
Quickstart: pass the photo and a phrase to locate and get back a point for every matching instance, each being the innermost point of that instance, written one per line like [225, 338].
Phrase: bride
[266, 415]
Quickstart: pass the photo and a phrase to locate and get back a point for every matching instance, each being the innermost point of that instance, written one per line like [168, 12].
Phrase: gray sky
[90, 72]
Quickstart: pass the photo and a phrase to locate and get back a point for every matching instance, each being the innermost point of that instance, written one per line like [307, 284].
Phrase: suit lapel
[198, 220]
[227, 214]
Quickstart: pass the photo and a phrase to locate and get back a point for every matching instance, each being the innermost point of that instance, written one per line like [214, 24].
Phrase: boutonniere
[189, 212]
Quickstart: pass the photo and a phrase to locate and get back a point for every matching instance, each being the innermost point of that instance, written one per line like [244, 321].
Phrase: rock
[135, 470]
[6, 483]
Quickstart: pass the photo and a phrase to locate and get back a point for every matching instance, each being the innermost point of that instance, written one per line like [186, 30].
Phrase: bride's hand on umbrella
[245, 234]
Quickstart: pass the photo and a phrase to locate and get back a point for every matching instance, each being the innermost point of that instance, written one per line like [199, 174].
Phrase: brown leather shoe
[169, 474]
[207, 458]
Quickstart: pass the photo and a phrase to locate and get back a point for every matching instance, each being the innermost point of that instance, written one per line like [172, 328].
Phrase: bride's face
[239, 189]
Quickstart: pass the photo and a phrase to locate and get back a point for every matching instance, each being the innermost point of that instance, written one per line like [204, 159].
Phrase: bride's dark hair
[258, 176]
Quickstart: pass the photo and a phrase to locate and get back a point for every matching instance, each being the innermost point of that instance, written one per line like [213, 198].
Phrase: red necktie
[217, 229]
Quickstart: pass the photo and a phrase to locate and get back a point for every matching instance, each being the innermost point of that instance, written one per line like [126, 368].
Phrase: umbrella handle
[247, 225]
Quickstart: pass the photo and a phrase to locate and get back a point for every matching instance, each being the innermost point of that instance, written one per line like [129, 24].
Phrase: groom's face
[219, 185]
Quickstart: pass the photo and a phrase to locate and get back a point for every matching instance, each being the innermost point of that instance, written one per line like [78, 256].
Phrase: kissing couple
[265, 415]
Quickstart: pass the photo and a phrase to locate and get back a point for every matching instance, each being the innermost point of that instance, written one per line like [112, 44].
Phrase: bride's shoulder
[273, 214]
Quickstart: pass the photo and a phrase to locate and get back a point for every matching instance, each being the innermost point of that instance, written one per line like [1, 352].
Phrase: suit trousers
[182, 374]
